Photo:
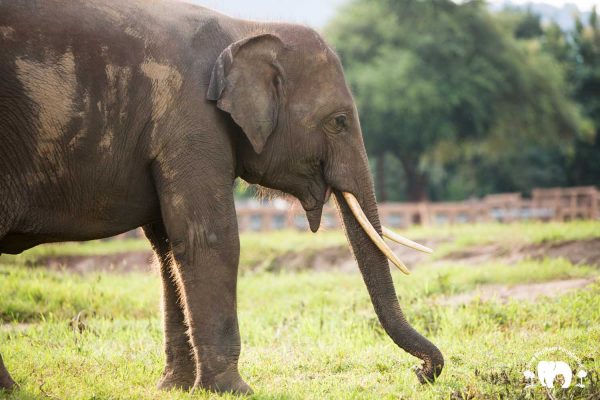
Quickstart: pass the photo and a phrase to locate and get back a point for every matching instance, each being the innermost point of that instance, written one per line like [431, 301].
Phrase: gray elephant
[116, 115]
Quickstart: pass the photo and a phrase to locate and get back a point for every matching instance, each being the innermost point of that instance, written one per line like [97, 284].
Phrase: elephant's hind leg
[6, 382]
[180, 368]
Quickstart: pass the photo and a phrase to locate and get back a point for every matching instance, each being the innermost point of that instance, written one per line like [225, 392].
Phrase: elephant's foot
[6, 382]
[229, 381]
[177, 378]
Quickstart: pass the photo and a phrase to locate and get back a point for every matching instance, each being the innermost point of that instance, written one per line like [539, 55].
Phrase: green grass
[259, 250]
[522, 232]
[36, 294]
[308, 335]
[459, 237]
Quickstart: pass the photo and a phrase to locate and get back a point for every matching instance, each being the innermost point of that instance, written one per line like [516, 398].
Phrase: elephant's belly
[72, 217]
[61, 229]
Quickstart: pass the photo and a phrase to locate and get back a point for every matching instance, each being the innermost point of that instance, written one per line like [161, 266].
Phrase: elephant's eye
[337, 124]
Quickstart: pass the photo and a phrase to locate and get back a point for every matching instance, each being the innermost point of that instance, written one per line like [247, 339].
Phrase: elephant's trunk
[375, 270]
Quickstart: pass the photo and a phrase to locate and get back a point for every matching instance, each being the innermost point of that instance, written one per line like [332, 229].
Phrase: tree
[445, 89]
[584, 166]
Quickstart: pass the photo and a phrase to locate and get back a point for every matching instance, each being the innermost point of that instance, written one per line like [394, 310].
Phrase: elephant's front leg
[202, 227]
[180, 368]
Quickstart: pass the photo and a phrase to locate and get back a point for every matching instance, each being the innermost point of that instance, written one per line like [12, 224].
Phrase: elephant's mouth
[314, 212]
[314, 208]
[315, 197]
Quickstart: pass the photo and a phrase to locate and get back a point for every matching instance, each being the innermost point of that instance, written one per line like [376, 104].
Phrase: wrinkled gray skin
[115, 116]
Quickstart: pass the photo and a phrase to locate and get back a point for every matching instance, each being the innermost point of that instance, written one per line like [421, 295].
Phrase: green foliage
[523, 25]
[584, 167]
[468, 102]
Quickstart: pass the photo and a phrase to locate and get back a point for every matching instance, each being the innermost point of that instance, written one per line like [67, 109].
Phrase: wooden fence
[557, 204]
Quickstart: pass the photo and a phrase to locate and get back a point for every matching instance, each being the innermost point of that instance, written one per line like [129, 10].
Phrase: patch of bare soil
[525, 292]
[340, 258]
[15, 327]
[577, 252]
[120, 262]
[479, 254]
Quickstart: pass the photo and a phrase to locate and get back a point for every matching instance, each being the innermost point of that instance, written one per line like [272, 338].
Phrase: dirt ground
[118, 263]
[526, 292]
[340, 258]
[577, 252]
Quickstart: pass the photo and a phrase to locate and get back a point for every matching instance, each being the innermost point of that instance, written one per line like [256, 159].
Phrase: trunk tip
[431, 368]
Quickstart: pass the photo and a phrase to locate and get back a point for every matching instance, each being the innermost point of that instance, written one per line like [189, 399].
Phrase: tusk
[371, 232]
[388, 233]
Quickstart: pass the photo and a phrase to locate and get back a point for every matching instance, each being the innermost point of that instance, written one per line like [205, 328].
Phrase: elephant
[548, 370]
[117, 114]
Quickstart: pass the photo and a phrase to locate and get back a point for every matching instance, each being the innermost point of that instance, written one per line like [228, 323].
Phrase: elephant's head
[301, 135]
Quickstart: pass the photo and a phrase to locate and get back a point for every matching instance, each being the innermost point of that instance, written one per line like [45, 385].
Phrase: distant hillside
[564, 16]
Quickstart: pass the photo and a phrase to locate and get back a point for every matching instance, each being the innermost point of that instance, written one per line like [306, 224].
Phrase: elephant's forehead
[319, 96]
[323, 72]
[320, 59]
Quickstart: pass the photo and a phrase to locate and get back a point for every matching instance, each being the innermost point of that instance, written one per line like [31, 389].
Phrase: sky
[583, 5]
[316, 13]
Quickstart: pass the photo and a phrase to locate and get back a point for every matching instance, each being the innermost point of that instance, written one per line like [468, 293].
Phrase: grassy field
[265, 246]
[309, 334]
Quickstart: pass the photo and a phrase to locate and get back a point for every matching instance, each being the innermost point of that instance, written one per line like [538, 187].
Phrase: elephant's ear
[247, 83]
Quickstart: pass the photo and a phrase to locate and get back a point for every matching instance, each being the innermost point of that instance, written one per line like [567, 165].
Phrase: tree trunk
[416, 181]
[380, 173]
